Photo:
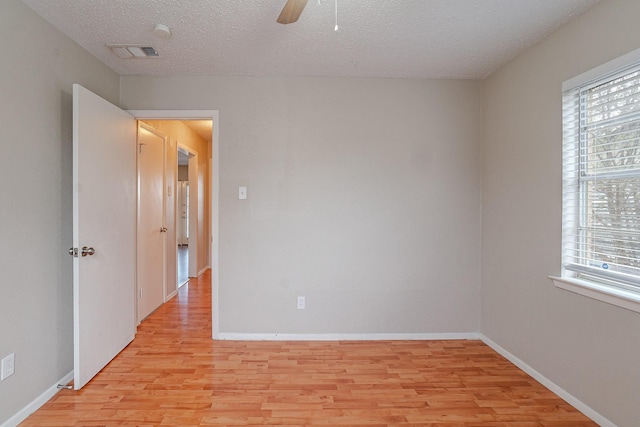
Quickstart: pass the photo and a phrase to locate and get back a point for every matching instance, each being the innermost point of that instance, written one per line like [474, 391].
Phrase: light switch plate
[242, 193]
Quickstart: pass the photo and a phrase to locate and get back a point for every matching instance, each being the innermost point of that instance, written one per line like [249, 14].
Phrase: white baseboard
[202, 271]
[37, 403]
[345, 337]
[568, 397]
[171, 295]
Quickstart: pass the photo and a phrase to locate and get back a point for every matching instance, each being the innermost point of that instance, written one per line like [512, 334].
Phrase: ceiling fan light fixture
[291, 11]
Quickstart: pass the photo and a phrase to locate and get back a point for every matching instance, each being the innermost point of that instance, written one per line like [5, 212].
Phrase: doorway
[212, 179]
[183, 232]
[187, 242]
[187, 214]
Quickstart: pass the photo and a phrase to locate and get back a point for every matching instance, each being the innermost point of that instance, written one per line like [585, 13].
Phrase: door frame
[193, 209]
[212, 115]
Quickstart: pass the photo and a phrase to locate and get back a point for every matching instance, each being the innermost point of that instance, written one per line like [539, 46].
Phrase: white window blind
[601, 179]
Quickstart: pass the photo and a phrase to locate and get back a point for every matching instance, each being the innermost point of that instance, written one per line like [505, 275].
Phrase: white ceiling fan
[291, 11]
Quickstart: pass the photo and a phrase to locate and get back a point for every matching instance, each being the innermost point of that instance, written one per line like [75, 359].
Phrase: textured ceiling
[465, 39]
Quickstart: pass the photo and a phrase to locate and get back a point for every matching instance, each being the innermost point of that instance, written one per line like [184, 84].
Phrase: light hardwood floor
[174, 374]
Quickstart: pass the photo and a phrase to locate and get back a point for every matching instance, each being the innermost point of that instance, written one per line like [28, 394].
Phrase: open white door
[152, 232]
[104, 232]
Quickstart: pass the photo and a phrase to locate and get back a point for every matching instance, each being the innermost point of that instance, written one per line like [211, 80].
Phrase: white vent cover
[128, 51]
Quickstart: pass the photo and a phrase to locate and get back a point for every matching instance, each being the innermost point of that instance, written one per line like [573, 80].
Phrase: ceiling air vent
[127, 51]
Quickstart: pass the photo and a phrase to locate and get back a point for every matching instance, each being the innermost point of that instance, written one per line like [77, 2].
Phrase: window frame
[607, 287]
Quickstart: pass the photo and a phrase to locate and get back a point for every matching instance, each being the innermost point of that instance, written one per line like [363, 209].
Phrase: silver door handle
[88, 251]
[163, 229]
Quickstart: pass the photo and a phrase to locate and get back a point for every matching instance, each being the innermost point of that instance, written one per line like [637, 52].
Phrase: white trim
[194, 240]
[609, 294]
[346, 337]
[175, 114]
[215, 191]
[215, 233]
[22, 414]
[172, 294]
[602, 70]
[568, 397]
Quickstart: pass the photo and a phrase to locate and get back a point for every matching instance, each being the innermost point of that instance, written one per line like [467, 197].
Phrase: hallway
[173, 373]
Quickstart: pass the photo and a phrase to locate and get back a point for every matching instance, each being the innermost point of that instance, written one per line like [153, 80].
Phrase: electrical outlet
[8, 366]
[301, 303]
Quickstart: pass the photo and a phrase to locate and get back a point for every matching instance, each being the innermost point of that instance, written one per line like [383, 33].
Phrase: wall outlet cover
[8, 366]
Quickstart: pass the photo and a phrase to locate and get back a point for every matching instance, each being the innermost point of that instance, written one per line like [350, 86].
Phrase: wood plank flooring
[174, 374]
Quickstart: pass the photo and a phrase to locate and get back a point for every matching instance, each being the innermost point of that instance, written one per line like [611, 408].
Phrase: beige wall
[38, 69]
[589, 348]
[364, 196]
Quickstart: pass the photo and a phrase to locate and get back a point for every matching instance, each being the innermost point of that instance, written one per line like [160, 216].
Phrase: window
[601, 177]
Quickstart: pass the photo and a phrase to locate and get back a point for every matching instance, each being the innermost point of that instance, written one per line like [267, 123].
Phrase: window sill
[618, 297]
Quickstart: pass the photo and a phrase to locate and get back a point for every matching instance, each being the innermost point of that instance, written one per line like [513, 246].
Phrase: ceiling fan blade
[291, 11]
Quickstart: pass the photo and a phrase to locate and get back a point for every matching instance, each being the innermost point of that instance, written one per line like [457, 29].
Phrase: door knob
[88, 251]
[163, 229]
